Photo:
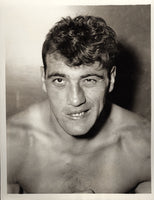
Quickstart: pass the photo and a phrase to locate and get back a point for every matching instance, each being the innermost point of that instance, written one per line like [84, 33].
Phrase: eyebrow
[83, 76]
[56, 74]
[92, 74]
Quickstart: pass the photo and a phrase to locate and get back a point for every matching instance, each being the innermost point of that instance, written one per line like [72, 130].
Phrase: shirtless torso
[117, 160]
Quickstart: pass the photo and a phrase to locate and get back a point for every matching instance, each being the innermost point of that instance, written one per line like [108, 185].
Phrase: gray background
[26, 28]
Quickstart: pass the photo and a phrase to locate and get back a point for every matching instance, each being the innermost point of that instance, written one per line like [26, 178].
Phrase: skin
[76, 141]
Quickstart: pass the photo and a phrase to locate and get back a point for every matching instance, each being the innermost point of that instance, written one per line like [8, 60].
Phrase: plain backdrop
[25, 30]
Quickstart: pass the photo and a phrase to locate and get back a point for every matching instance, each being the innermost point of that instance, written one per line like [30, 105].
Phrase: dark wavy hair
[82, 40]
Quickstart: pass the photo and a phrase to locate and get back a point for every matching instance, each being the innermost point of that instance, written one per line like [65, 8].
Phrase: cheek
[55, 94]
[56, 98]
[96, 94]
[97, 98]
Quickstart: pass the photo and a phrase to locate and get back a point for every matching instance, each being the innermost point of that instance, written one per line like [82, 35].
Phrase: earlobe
[43, 79]
[112, 78]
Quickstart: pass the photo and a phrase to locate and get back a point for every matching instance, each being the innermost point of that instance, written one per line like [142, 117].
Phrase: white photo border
[6, 196]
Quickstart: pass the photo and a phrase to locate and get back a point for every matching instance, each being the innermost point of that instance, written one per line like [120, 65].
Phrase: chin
[77, 131]
[78, 127]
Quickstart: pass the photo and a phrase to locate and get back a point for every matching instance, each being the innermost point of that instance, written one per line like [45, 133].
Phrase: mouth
[77, 115]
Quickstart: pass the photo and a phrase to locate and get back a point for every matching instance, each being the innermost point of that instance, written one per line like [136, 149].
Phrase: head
[78, 56]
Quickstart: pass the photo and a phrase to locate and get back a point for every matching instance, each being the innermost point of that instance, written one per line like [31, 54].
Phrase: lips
[78, 114]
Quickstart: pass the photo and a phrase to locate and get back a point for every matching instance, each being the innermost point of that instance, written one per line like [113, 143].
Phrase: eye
[89, 81]
[60, 82]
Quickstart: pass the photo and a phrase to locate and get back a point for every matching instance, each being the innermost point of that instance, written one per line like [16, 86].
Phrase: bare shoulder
[134, 129]
[135, 133]
[19, 138]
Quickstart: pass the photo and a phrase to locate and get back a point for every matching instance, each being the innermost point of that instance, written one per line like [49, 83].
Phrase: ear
[112, 78]
[43, 78]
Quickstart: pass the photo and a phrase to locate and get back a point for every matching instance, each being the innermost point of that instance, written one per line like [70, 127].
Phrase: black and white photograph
[77, 92]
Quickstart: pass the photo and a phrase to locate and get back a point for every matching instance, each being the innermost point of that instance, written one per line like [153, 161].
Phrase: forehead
[55, 63]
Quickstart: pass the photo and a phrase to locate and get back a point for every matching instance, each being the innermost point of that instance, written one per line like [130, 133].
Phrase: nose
[76, 96]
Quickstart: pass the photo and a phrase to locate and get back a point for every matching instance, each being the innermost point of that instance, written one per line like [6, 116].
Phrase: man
[77, 141]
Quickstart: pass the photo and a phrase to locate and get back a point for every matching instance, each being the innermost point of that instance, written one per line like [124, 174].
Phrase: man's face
[76, 94]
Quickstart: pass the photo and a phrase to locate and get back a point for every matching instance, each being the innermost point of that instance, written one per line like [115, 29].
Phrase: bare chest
[80, 174]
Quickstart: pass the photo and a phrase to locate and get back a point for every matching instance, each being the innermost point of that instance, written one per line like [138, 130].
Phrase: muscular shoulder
[30, 118]
[135, 133]
[134, 129]
[20, 129]
[136, 136]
